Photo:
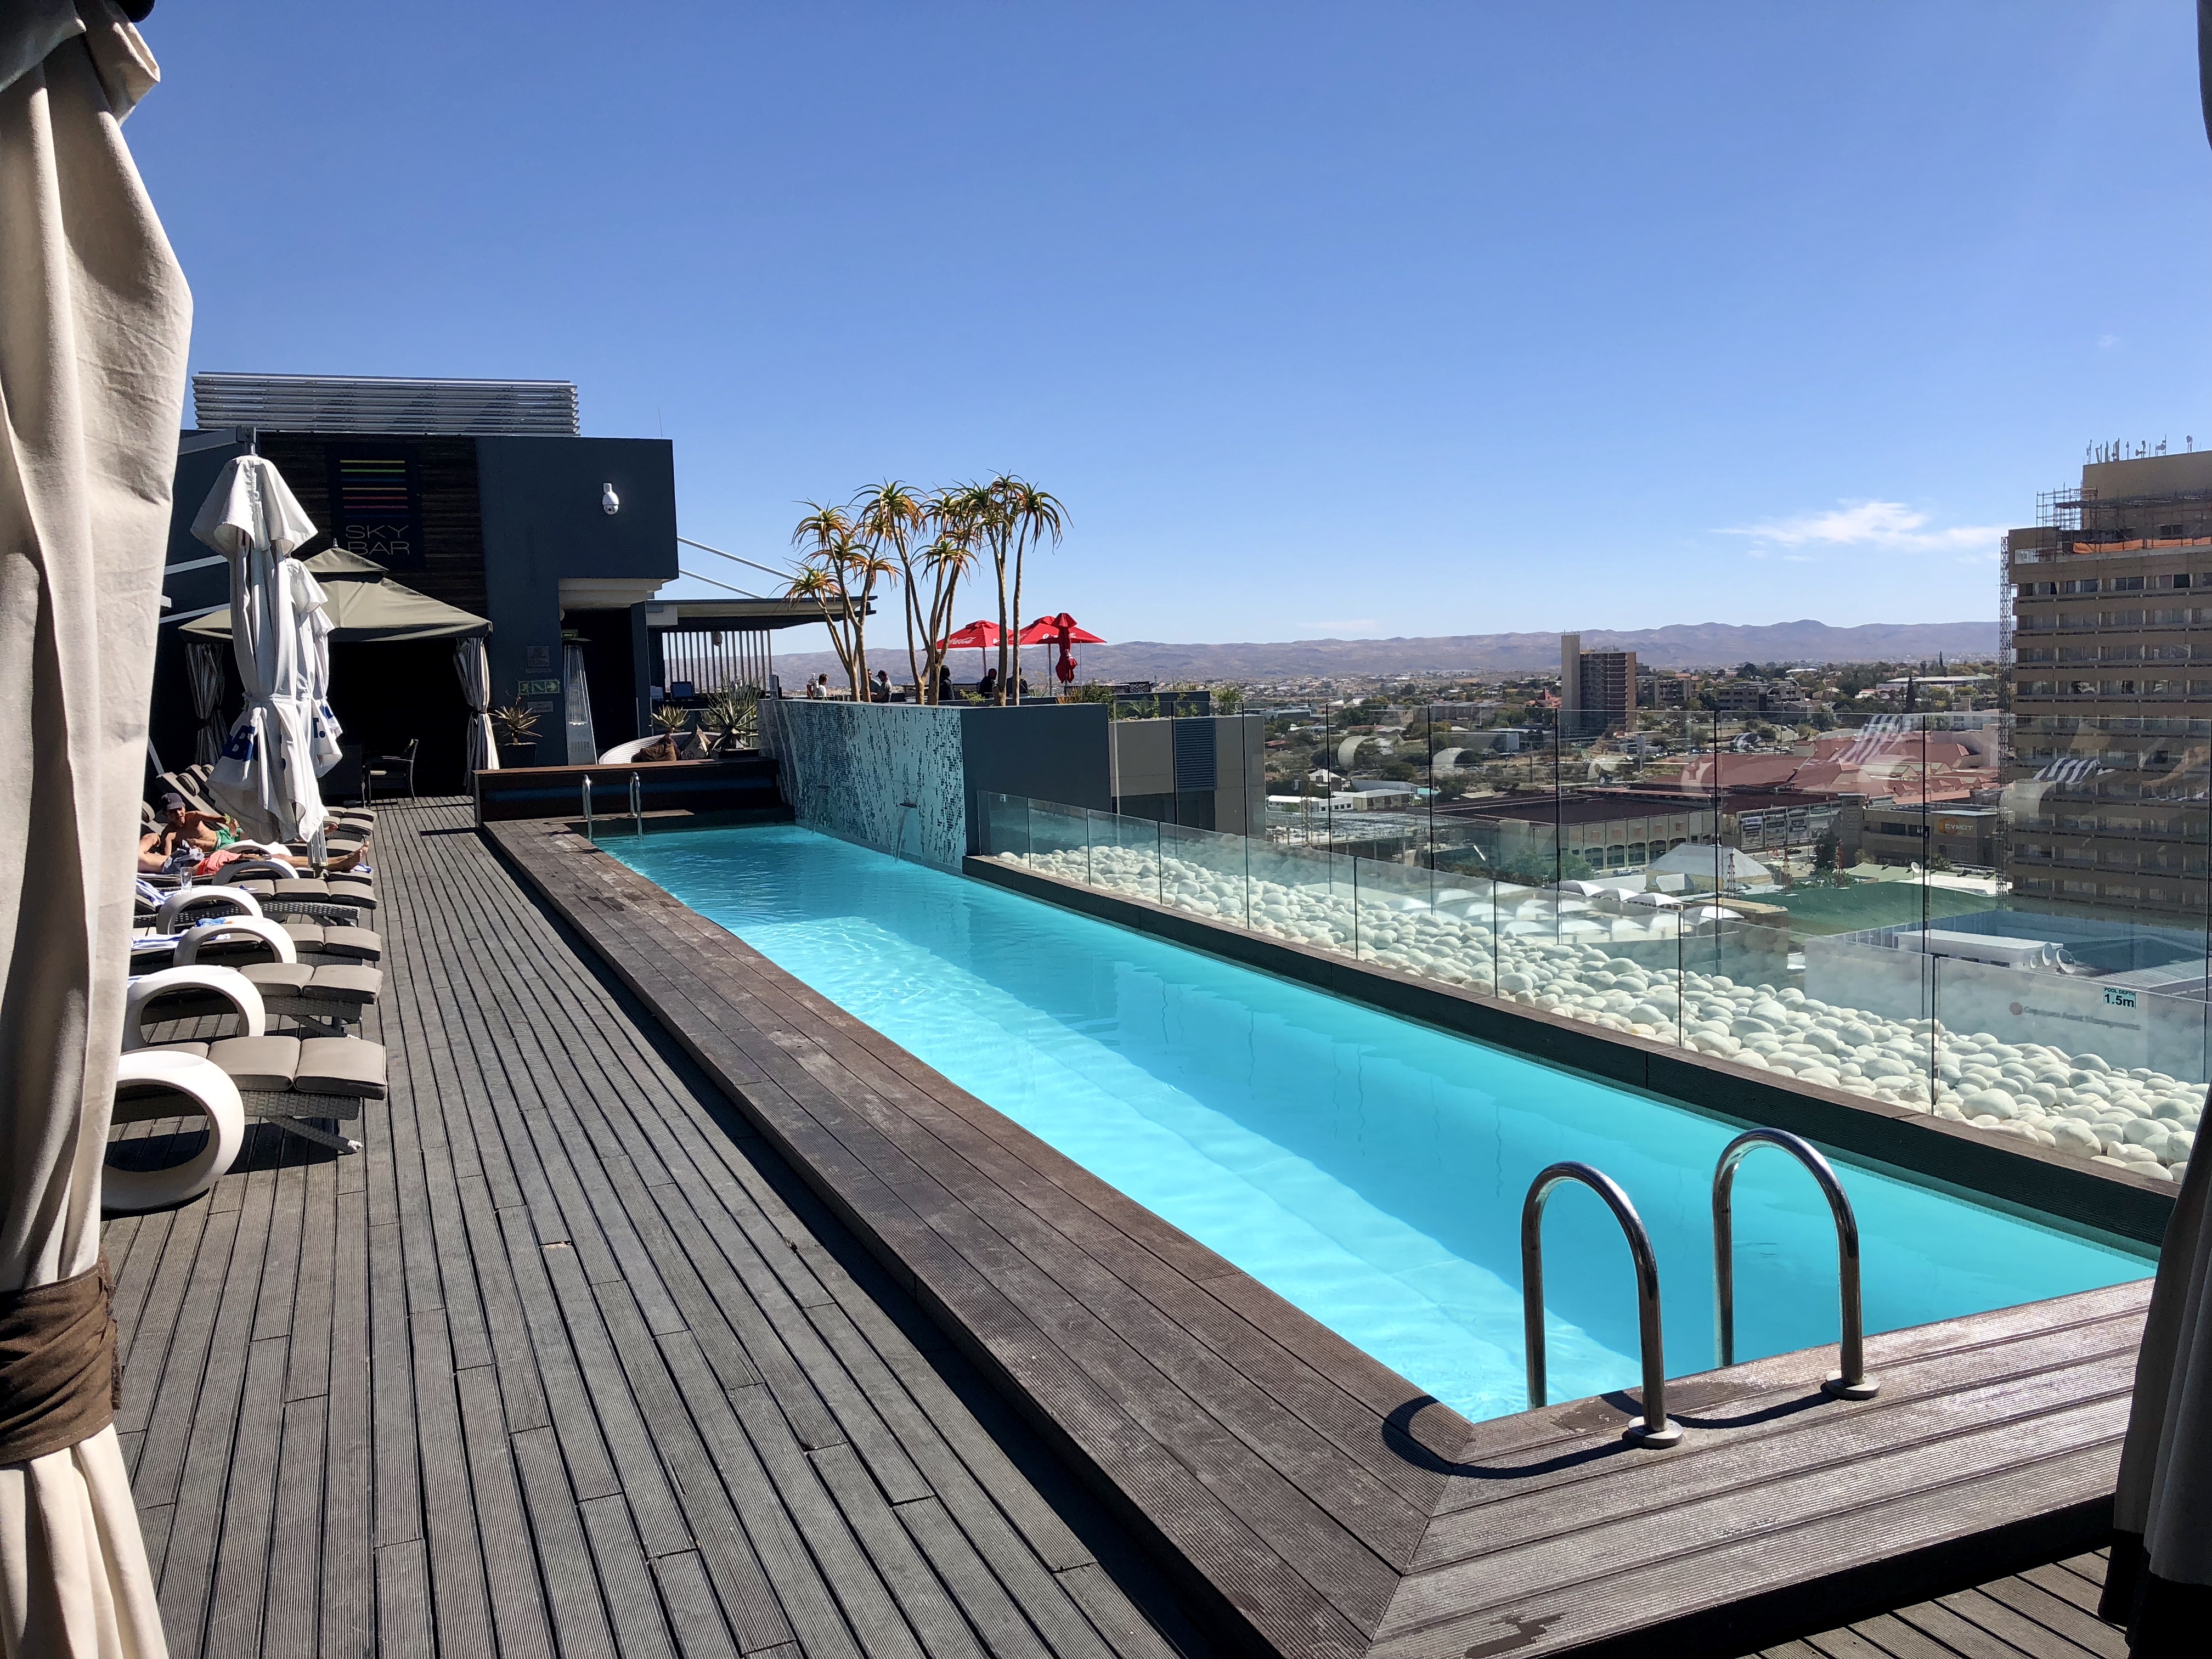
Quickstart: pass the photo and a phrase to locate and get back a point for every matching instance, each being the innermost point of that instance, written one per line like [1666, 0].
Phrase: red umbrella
[978, 636]
[1060, 631]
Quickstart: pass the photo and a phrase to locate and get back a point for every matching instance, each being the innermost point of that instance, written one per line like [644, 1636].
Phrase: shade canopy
[364, 603]
[1058, 630]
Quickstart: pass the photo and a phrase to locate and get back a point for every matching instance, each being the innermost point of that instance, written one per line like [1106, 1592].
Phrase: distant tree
[1825, 851]
[1227, 699]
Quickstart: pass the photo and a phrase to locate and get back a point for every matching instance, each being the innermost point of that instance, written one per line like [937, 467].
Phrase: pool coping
[2007, 1168]
[1313, 1501]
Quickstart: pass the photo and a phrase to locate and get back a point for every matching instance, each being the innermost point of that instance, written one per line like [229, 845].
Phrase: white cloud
[2106, 342]
[1870, 524]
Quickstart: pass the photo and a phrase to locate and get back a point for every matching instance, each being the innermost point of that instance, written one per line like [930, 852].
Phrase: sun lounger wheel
[205, 1085]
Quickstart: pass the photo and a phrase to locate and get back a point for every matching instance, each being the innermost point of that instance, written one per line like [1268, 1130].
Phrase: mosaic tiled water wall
[890, 776]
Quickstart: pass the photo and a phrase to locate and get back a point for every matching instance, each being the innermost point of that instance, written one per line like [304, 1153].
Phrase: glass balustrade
[2001, 923]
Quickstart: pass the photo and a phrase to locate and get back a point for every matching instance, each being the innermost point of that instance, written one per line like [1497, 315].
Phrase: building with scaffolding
[2108, 659]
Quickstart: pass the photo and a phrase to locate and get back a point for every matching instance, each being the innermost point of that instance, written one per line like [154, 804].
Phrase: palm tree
[891, 516]
[969, 515]
[1033, 516]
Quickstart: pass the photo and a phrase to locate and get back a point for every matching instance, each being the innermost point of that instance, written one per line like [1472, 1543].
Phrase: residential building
[1598, 689]
[2109, 674]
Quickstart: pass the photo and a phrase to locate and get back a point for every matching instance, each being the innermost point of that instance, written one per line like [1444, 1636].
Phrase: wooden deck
[572, 1362]
[1313, 1502]
[568, 1363]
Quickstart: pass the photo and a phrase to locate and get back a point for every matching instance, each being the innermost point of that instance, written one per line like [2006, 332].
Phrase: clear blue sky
[1351, 320]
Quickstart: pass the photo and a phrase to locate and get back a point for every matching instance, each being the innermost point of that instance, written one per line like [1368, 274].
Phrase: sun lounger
[235, 942]
[279, 1077]
[326, 997]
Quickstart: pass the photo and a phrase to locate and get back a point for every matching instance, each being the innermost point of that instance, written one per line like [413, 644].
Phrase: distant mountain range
[1686, 645]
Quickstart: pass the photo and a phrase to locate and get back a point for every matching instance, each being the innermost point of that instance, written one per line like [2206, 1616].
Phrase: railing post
[1851, 1382]
[591, 829]
[637, 803]
[1653, 1428]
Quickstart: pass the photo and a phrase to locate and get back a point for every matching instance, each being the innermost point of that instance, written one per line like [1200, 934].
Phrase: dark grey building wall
[1049, 752]
[543, 521]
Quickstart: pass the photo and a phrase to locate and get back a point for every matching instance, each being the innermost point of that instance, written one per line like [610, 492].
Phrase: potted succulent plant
[733, 714]
[516, 729]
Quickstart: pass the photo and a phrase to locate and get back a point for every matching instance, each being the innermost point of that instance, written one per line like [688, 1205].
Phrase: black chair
[373, 767]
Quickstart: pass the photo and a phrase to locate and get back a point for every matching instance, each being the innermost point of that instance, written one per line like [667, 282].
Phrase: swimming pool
[1369, 1169]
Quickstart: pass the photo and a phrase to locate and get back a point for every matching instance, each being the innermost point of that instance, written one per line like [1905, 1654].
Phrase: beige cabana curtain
[93, 320]
[2159, 1584]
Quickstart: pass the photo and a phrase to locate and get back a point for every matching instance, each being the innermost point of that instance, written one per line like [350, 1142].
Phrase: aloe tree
[892, 517]
[1031, 516]
[814, 582]
[947, 559]
[831, 546]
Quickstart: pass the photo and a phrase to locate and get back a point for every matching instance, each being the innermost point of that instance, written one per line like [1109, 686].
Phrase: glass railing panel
[1205, 872]
[1060, 841]
[2070, 997]
[1125, 855]
[1006, 827]
[1295, 895]
[1396, 922]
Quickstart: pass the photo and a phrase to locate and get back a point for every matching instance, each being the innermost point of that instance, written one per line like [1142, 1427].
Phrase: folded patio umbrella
[94, 318]
[204, 667]
[2160, 1583]
[1060, 631]
[266, 777]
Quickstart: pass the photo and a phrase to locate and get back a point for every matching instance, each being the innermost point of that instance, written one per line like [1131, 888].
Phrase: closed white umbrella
[311, 611]
[94, 322]
[469, 663]
[266, 777]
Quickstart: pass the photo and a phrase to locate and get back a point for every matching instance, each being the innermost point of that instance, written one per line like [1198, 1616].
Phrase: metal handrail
[636, 804]
[1851, 1383]
[590, 828]
[1653, 1428]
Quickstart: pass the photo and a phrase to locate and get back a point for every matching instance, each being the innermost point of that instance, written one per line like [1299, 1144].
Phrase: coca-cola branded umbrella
[976, 636]
[1062, 632]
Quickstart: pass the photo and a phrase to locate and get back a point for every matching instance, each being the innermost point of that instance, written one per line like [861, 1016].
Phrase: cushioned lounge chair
[280, 1078]
[314, 941]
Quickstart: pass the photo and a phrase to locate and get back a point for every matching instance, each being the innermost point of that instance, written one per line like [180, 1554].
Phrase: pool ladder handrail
[1653, 1428]
[636, 804]
[590, 828]
[1851, 1381]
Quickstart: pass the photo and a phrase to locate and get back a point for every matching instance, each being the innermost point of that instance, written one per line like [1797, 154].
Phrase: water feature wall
[904, 778]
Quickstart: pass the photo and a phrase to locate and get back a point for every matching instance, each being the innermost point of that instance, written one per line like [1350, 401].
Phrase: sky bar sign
[377, 507]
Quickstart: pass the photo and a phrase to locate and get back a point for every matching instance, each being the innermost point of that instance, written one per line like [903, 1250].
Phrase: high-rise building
[1598, 689]
[2110, 678]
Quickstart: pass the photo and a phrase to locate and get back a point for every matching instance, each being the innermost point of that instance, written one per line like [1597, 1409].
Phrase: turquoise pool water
[1368, 1168]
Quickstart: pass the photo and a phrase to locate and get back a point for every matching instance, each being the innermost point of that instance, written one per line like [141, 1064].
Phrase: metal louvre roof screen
[318, 403]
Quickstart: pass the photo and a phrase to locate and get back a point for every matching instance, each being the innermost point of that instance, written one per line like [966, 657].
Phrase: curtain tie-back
[59, 1381]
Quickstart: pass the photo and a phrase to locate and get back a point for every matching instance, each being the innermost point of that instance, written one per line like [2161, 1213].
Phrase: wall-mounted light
[610, 503]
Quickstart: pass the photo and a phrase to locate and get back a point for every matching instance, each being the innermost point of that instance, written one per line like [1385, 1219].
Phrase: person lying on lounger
[207, 837]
